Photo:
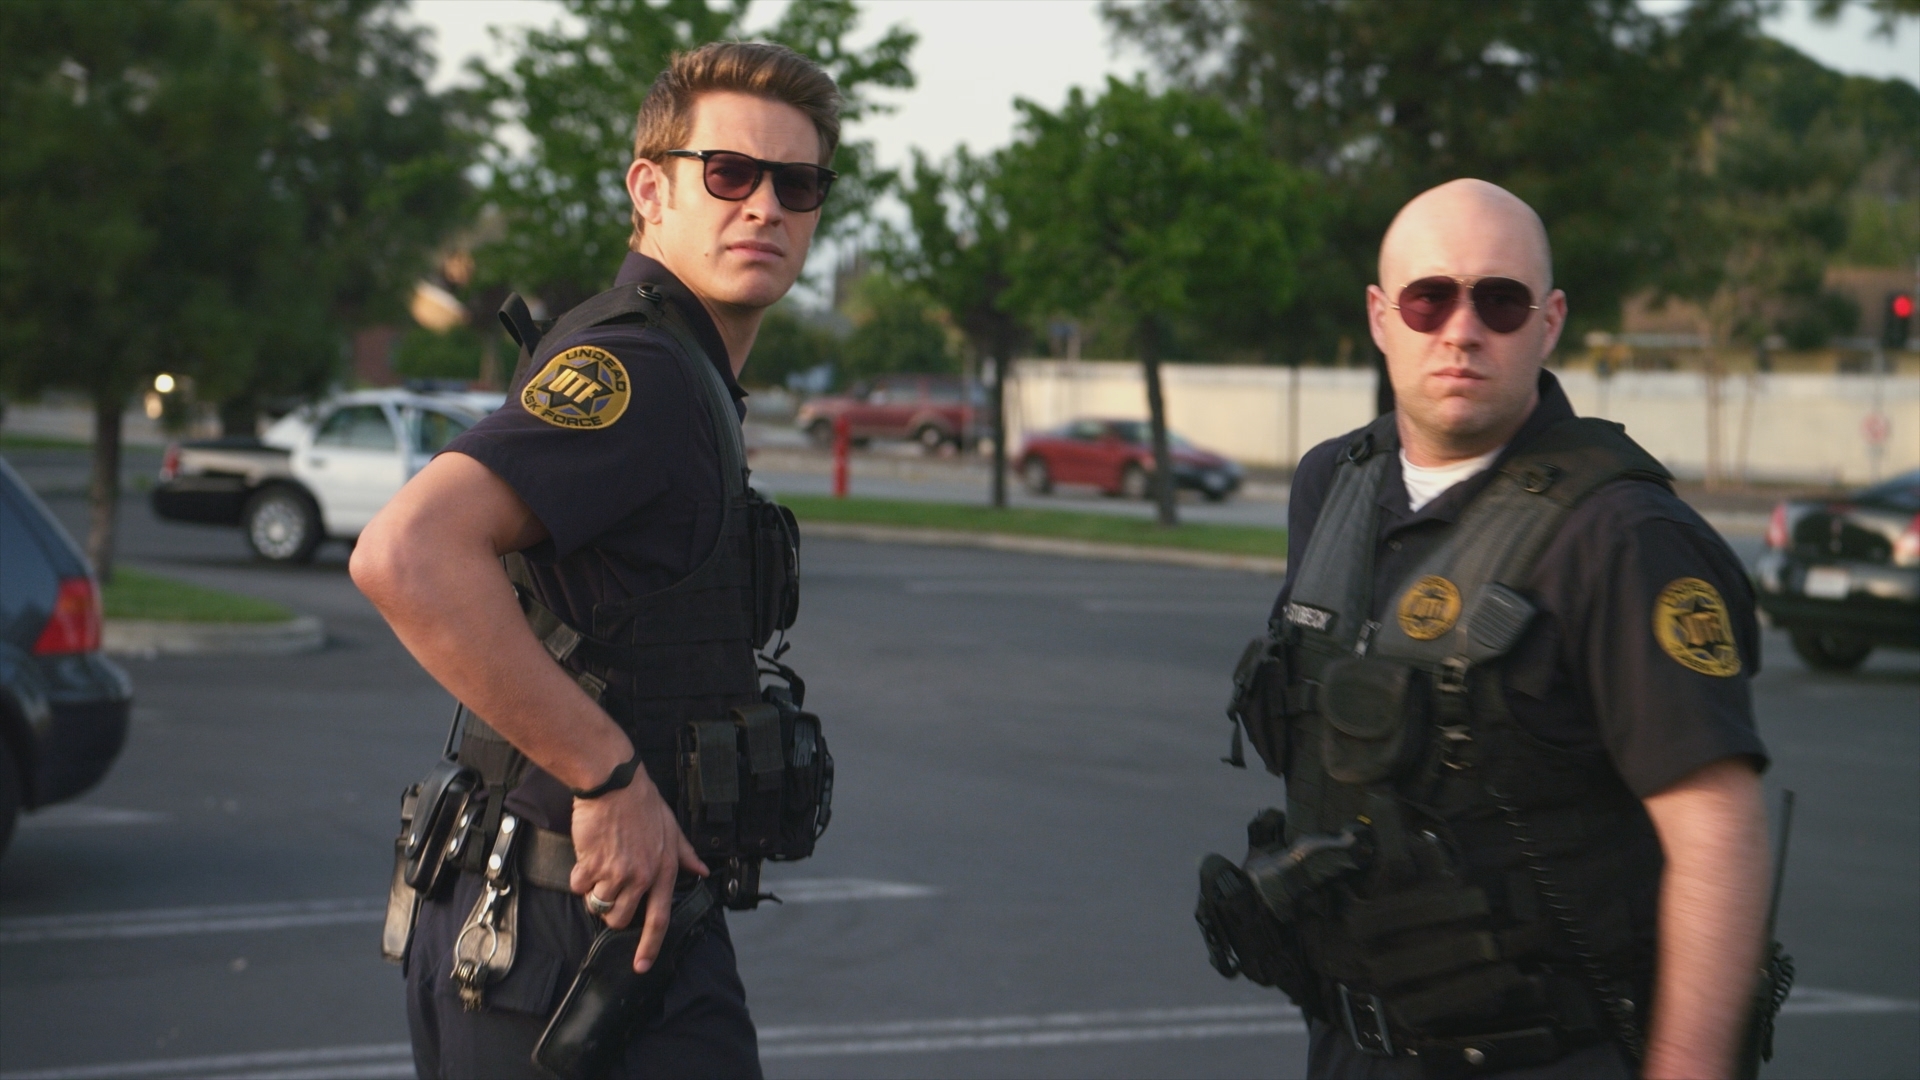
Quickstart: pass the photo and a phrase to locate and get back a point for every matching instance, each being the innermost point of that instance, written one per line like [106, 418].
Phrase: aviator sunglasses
[1503, 304]
[800, 186]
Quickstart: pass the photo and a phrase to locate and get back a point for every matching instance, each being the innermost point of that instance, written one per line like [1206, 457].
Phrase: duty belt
[1362, 1017]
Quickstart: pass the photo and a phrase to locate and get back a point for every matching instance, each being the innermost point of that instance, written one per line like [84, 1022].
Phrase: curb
[1042, 545]
[148, 638]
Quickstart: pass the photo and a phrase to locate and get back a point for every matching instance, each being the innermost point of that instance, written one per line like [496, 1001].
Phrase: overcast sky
[976, 56]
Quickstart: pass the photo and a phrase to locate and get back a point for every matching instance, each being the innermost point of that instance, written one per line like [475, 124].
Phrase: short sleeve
[581, 480]
[1664, 638]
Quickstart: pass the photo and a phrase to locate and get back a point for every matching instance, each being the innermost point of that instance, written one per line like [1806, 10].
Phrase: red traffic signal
[1896, 321]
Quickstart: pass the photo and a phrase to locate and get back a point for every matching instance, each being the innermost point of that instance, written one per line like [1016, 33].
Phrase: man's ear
[1377, 311]
[1553, 310]
[650, 188]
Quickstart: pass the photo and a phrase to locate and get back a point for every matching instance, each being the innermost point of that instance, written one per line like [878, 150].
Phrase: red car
[1116, 456]
[932, 410]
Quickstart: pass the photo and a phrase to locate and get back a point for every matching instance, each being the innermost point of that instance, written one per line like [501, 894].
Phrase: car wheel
[930, 438]
[1825, 650]
[820, 433]
[282, 525]
[1134, 483]
[1036, 476]
[1213, 495]
[9, 795]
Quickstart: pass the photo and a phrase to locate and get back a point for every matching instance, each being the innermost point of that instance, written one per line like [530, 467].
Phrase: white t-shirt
[1425, 485]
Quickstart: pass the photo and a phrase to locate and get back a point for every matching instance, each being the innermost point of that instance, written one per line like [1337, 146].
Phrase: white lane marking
[167, 922]
[223, 1064]
[1167, 607]
[383, 1060]
[837, 890]
[236, 918]
[73, 816]
[1812, 1001]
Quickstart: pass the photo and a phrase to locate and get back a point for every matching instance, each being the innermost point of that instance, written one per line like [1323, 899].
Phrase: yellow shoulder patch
[583, 387]
[1429, 608]
[1691, 623]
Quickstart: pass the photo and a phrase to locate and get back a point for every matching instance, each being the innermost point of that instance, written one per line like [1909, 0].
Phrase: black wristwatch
[621, 777]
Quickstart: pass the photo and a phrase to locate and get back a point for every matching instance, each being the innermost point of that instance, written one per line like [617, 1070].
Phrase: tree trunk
[104, 490]
[240, 415]
[1157, 420]
[997, 416]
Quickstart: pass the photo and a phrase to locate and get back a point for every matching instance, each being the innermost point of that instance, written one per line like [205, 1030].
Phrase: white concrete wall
[1803, 428]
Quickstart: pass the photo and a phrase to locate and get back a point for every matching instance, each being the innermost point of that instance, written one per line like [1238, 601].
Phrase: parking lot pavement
[1027, 774]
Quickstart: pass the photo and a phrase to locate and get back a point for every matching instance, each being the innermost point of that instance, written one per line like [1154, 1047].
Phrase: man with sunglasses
[612, 482]
[1507, 684]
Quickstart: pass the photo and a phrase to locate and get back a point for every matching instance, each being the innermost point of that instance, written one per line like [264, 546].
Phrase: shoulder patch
[1429, 608]
[583, 387]
[1691, 623]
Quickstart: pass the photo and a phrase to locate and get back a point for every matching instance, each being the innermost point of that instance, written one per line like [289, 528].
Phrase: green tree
[575, 93]
[1165, 204]
[958, 255]
[211, 188]
[896, 328]
[789, 343]
[371, 163]
[1588, 110]
[1783, 169]
[1887, 13]
[137, 226]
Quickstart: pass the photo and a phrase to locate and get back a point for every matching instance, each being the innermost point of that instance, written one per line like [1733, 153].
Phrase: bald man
[1506, 682]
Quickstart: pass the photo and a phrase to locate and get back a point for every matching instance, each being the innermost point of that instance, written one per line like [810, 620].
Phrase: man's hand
[1713, 899]
[628, 848]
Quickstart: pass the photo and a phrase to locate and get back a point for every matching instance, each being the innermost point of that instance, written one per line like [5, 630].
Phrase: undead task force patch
[1690, 621]
[1430, 608]
[583, 387]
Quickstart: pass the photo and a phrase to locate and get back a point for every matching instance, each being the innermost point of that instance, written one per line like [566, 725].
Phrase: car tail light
[170, 464]
[75, 625]
[1777, 528]
[1906, 550]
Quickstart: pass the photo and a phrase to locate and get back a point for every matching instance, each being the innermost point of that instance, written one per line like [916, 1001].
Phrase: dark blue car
[63, 705]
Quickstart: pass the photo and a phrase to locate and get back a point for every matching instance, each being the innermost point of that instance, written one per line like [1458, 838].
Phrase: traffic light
[1897, 326]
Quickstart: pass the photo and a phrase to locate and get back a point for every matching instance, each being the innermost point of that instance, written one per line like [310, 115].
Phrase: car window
[1084, 430]
[434, 430]
[1902, 492]
[938, 390]
[361, 427]
[28, 581]
[1140, 433]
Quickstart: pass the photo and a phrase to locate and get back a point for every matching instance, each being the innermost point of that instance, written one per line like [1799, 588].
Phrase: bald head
[1462, 228]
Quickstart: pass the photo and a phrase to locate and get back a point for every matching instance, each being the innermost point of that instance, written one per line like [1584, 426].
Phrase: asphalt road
[1027, 751]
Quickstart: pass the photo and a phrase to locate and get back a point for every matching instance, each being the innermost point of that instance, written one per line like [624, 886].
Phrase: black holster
[609, 1001]
[1246, 931]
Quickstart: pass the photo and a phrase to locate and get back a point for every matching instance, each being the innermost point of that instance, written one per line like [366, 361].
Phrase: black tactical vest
[1500, 883]
[677, 668]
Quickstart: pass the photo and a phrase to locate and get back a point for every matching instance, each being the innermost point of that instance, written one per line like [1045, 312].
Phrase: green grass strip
[135, 594]
[1061, 524]
[12, 441]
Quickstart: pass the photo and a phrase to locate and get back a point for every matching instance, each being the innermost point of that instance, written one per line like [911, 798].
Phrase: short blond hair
[774, 72]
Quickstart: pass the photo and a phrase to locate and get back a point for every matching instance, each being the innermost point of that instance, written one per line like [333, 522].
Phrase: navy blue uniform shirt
[1591, 668]
[629, 508]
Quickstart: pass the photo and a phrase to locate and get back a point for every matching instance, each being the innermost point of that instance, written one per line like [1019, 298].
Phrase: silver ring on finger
[598, 906]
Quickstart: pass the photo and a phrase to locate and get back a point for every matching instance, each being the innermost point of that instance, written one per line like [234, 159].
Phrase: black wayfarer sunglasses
[1503, 304]
[799, 185]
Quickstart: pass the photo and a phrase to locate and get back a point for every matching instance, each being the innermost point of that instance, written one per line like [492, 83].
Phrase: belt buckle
[1365, 1016]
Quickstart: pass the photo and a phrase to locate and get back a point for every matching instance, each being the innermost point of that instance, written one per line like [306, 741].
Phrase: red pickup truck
[932, 410]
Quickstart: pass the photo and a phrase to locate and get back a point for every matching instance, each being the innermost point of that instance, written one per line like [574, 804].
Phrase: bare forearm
[1712, 826]
[445, 595]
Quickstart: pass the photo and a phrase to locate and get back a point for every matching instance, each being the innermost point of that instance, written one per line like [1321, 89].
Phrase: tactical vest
[1482, 883]
[747, 770]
